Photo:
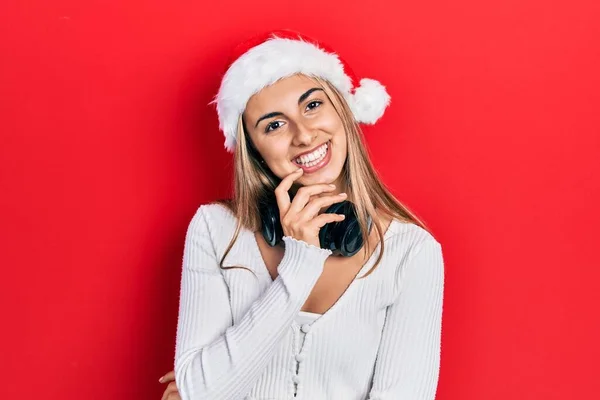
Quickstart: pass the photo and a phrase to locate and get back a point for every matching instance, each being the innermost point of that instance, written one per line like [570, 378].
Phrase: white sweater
[237, 335]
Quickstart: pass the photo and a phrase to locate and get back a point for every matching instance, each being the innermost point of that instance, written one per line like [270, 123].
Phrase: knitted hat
[262, 60]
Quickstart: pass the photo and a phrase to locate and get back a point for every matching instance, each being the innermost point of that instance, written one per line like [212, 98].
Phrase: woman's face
[294, 117]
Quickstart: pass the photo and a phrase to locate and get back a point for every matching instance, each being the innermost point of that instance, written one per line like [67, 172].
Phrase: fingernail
[342, 194]
[331, 185]
[161, 379]
[299, 169]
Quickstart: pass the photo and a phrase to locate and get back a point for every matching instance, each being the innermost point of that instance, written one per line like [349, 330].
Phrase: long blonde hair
[253, 179]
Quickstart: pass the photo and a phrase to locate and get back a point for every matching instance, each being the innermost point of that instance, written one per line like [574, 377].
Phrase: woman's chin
[319, 179]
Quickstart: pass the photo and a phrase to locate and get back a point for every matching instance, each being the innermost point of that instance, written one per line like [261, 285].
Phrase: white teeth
[314, 157]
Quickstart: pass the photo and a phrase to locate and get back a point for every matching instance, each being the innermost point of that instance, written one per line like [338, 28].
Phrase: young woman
[313, 282]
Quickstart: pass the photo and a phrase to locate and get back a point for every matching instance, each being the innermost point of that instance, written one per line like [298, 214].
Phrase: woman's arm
[408, 359]
[214, 359]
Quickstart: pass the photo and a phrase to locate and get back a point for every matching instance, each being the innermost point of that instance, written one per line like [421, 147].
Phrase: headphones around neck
[341, 237]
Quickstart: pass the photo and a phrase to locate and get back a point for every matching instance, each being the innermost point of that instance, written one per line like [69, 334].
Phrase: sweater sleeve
[215, 360]
[408, 359]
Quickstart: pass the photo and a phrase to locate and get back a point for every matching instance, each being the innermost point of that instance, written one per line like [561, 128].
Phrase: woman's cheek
[279, 151]
[331, 122]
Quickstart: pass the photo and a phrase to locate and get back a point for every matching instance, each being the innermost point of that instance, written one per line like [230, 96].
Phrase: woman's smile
[315, 160]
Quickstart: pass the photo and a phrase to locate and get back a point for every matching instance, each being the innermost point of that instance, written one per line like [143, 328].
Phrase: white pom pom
[369, 101]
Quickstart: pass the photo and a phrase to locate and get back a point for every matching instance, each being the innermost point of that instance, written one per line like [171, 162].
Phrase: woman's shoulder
[219, 223]
[405, 240]
[401, 226]
[409, 236]
[219, 211]
[218, 215]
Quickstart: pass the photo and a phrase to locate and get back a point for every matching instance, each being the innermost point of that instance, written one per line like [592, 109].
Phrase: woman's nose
[303, 135]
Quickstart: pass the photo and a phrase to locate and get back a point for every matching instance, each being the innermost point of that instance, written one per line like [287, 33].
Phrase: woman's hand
[171, 392]
[300, 218]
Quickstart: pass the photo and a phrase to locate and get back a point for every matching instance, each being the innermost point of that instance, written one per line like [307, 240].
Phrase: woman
[354, 314]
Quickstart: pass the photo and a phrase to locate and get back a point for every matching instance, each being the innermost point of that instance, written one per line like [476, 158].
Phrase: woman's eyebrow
[269, 115]
[277, 113]
[306, 94]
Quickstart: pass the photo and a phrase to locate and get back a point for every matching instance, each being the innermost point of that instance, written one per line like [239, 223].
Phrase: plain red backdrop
[108, 146]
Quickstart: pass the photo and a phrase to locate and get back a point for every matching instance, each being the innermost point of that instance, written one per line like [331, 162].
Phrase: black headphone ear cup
[343, 237]
[271, 225]
[329, 231]
[331, 234]
[352, 239]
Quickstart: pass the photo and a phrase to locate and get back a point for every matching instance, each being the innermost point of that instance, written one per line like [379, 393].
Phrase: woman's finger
[304, 194]
[312, 208]
[169, 376]
[171, 392]
[281, 191]
[326, 218]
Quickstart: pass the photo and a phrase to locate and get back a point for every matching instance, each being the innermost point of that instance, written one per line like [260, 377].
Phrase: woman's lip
[308, 152]
[321, 163]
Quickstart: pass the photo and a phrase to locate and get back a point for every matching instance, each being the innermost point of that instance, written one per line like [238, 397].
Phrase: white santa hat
[262, 60]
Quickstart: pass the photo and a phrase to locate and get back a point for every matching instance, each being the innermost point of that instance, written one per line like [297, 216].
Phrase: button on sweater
[239, 336]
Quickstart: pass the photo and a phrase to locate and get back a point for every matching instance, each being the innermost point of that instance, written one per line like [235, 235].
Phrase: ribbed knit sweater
[238, 338]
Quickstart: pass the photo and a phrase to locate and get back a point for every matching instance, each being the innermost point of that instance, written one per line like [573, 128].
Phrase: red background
[108, 146]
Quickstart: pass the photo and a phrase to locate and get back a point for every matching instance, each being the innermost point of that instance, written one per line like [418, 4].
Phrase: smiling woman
[313, 303]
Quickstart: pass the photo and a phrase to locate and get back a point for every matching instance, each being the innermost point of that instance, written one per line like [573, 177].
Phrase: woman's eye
[313, 104]
[273, 125]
